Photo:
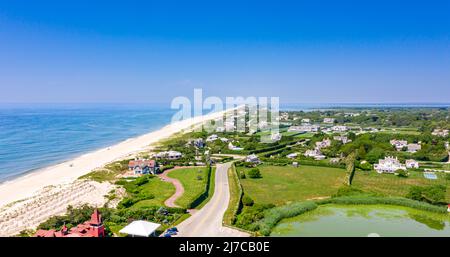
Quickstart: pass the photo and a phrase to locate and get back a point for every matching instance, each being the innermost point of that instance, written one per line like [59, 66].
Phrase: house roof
[140, 228]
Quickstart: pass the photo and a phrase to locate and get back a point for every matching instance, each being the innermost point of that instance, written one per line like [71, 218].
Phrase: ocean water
[36, 136]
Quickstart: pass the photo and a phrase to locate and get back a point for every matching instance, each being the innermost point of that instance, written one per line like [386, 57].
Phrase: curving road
[207, 222]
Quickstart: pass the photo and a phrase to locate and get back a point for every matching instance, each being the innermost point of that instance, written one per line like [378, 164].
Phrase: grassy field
[284, 184]
[391, 185]
[194, 182]
[160, 189]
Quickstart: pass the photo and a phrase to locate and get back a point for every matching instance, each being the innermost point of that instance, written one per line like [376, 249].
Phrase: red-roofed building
[448, 208]
[92, 228]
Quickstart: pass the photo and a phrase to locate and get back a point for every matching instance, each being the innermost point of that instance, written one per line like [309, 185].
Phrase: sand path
[179, 189]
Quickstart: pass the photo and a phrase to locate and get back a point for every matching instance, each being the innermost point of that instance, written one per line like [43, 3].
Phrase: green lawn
[283, 184]
[391, 185]
[160, 189]
[235, 196]
[194, 182]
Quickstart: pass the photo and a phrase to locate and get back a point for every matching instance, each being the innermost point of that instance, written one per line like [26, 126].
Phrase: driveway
[207, 222]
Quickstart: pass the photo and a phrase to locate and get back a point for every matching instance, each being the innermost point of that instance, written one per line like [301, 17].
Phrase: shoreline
[30, 183]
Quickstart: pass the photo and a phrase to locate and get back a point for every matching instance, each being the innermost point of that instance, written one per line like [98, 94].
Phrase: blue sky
[148, 51]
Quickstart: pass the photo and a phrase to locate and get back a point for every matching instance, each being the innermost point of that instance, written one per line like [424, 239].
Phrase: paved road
[207, 222]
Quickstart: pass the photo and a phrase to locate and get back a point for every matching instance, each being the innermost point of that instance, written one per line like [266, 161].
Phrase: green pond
[364, 220]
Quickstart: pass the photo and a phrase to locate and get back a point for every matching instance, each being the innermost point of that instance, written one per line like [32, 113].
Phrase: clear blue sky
[309, 51]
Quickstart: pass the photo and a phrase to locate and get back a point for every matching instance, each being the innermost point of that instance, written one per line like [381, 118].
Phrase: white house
[339, 128]
[252, 158]
[171, 155]
[234, 148]
[440, 132]
[305, 120]
[412, 148]
[324, 143]
[212, 138]
[328, 120]
[292, 155]
[412, 164]
[399, 144]
[275, 137]
[304, 128]
[343, 139]
[316, 154]
[389, 165]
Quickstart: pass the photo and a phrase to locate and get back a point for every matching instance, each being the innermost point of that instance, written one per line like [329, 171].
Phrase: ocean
[36, 136]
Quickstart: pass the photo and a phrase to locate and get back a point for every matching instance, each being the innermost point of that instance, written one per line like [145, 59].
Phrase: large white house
[389, 165]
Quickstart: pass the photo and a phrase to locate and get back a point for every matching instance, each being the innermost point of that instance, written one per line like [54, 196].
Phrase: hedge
[400, 201]
[204, 194]
[232, 211]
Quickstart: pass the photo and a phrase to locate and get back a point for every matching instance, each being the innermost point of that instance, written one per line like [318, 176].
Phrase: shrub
[447, 176]
[402, 173]
[242, 175]
[400, 201]
[434, 194]
[274, 215]
[247, 201]
[254, 173]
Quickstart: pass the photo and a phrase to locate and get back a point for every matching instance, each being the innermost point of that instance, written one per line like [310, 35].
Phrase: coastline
[66, 172]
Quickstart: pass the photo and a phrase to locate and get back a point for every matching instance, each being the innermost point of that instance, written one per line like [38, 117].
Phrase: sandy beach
[49, 191]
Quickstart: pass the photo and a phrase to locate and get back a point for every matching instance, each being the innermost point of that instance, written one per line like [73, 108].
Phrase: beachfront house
[412, 164]
[170, 155]
[399, 144]
[143, 166]
[389, 165]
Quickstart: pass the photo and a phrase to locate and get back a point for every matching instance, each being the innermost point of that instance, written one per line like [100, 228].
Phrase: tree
[254, 173]
[350, 165]
[402, 173]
